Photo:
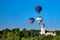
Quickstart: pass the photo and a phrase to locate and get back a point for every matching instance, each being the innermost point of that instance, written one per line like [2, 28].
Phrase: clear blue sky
[16, 14]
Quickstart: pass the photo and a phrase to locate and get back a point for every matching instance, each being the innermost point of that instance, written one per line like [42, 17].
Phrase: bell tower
[43, 29]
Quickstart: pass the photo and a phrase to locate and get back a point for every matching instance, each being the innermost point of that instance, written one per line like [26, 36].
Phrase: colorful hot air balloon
[31, 20]
[39, 19]
[38, 9]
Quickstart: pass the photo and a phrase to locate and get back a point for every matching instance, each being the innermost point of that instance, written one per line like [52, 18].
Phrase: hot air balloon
[31, 20]
[39, 19]
[38, 9]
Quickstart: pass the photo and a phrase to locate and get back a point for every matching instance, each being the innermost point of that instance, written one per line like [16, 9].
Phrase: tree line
[16, 34]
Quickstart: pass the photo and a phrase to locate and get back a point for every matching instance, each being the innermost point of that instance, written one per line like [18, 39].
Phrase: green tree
[26, 33]
[5, 36]
[16, 34]
[32, 31]
[57, 32]
[9, 35]
[1, 33]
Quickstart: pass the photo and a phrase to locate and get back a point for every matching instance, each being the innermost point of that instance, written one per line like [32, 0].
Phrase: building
[44, 32]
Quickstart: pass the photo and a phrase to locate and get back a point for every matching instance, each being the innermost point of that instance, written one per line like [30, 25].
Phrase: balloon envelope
[39, 19]
[38, 9]
[31, 20]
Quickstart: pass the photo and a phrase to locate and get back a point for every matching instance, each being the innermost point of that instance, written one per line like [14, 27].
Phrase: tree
[16, 34]
[57, 32]
[25, 33]
[1, 33]
[5, 36]
[11, 34]
[32, 31]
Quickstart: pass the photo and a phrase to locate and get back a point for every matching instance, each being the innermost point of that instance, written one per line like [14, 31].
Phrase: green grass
[30, 38]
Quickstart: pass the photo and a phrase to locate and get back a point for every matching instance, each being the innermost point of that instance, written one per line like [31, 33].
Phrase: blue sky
[16, 14]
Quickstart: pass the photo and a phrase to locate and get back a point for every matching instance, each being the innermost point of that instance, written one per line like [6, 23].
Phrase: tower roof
[43, 25]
